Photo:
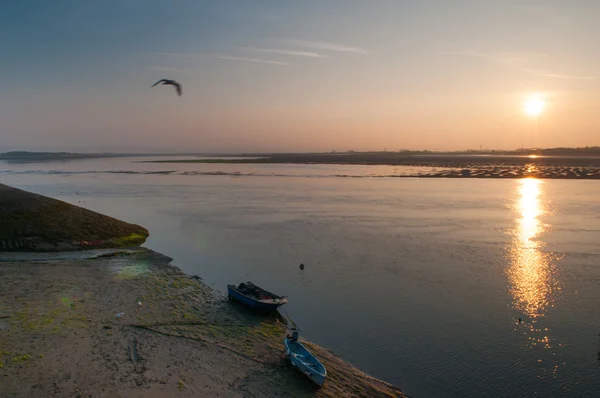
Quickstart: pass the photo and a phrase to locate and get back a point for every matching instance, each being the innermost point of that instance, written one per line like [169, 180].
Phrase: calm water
[416, 281]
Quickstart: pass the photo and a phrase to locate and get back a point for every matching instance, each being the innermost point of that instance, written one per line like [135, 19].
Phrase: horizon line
[471, 151]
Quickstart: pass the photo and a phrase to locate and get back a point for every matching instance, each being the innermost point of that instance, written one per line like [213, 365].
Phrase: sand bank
[453, 166]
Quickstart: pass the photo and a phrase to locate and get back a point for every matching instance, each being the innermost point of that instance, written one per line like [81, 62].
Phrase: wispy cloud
[493, 54]
[322, 45]
[515, 59]
[560, 76]
[262, 61]
[179, 54]
[167, 68]
[282, 51]
[225, 56]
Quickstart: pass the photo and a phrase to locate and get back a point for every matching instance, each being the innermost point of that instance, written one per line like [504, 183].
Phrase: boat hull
[250, 302]
[305, 362]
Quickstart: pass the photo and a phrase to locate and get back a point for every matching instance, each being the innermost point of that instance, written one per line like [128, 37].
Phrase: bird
[172, 83]
[301, 266]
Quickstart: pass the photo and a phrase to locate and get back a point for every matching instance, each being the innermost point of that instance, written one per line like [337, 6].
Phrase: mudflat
[441, 165]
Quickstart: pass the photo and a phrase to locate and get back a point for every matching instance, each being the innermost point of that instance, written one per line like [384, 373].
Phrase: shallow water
[417, 281]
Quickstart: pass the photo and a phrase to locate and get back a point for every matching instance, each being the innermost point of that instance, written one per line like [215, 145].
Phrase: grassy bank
[34, 222]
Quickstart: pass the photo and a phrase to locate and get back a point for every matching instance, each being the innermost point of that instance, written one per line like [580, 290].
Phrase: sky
[296, 76]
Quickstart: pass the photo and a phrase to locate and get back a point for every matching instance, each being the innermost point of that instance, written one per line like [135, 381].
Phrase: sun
[534, 106]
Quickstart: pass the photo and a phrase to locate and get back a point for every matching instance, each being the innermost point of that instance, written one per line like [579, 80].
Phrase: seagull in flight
[172, 83]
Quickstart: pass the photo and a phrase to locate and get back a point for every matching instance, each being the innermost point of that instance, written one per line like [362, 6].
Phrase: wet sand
[530, 170]
[452, 166]
[60, 335]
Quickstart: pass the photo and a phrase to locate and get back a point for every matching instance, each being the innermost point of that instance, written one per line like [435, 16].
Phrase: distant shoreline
[581, 152]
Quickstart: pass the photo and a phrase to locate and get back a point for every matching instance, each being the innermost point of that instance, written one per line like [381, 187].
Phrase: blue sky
[297, 75]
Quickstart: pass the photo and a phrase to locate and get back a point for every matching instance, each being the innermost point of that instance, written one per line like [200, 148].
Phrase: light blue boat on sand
[303, 360]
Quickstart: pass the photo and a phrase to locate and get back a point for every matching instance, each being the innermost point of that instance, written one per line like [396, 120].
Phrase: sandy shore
[441, 166]
[60, 335]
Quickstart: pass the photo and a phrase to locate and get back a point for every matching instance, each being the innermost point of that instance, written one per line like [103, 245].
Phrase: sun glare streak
[531, 273]
[530, 209]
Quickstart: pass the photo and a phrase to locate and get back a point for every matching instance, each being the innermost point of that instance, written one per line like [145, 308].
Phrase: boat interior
[249, 289]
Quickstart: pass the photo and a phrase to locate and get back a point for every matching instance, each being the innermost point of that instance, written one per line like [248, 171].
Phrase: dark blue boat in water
[253, 296]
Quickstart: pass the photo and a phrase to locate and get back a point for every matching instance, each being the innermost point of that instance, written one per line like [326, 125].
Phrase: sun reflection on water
[531, 273]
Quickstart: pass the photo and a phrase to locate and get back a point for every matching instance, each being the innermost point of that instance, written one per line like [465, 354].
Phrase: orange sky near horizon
[283, 77]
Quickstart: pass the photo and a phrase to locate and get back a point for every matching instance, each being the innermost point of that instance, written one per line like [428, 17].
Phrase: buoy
[301, 266]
